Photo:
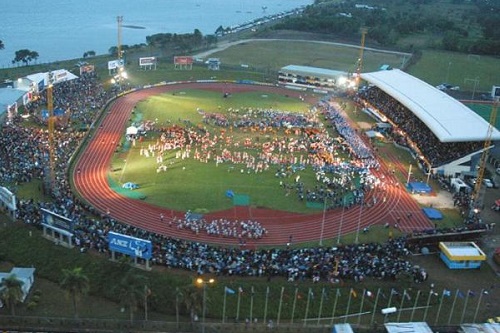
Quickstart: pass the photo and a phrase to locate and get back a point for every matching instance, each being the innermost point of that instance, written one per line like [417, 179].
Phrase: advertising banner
[8, 198]
[183, 60]
[51, 219]
[148, 61]
[134, 247]
[114, 64]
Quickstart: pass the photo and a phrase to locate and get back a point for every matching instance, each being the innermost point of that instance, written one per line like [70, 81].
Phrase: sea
[66, 29]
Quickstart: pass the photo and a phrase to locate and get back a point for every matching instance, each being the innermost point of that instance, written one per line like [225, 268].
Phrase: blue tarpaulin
[419, 187]
[432, 213]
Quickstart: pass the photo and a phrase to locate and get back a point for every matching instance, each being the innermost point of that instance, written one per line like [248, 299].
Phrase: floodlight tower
[479, 190]
[119, 20]
[51, 121]
[364, 31]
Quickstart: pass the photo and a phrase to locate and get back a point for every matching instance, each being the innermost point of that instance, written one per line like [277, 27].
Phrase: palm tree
[192, 298]
[11, 292]
[131, 290]
[178, 296]
[76, 284]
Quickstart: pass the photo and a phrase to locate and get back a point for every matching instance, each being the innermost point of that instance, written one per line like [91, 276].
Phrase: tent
[419, 187]
[132, 130]
[130, 186]
[432, 213]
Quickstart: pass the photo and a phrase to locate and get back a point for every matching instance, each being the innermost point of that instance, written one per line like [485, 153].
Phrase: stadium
[87, 208]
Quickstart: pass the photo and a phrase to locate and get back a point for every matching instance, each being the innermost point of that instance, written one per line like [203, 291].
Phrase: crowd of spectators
[411, 132]
[357, 261]
[245, 229]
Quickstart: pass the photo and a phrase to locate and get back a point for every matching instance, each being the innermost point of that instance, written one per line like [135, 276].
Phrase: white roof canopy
[446, 117]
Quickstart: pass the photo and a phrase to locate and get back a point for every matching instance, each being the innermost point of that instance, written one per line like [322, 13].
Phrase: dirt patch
[364, 125]
[442, 199]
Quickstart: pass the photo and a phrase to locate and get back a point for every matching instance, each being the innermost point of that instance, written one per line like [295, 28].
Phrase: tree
[131, 290]
[89, 54]
[11, 292]
[76, 284]
[25, 56]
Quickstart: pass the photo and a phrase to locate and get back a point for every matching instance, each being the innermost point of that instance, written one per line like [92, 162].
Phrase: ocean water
[65, 29]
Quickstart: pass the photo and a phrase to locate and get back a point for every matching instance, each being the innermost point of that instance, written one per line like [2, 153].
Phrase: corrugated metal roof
[446, 117]
[313, 71]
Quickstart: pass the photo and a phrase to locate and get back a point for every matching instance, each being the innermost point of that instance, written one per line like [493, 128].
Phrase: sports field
[198, 181]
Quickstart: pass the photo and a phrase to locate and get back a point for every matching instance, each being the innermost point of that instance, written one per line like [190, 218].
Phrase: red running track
[393, 202]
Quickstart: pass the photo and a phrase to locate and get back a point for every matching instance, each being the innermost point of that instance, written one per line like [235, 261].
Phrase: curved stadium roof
[446, 117]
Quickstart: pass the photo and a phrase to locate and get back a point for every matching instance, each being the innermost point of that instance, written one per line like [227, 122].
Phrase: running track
[94, 163]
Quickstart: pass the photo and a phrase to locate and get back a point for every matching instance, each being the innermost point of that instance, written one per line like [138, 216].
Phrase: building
[449, 122]
[461, 255]
[25, 275]
[304, 77]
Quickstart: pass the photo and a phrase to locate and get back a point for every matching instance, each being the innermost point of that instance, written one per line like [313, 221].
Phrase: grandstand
[443, 134]
[305, 77]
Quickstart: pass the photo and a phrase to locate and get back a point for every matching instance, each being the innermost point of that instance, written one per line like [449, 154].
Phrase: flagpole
[307, 306]
[321, 305]
[251, 305]
[427, 305]
[224, 306]
[265, 304]
[279, 307]
[375, 307]
[238, 304]
[439, 308]
[294, 304]
[348, 306]
[465, 306]
[337, 293]
[414, 305]
[389, 304]
[361, 306]
[453, 306]
[477, 307]
[401, 305]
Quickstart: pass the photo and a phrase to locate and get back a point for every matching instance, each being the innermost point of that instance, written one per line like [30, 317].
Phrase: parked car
[447, 86]
[488, 183]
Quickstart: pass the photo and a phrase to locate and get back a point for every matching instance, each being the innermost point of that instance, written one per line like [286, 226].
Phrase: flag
[471, 293]
[240, 290]
[229, 291]
[353, 293]
[446, 293]
[369, 293]
[311, 294]
[461, 294]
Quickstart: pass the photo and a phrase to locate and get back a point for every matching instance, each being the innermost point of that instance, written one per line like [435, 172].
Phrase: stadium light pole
[203, 284]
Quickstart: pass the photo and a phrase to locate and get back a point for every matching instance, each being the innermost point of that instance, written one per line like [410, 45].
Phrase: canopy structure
[432, 213]
[446, 117]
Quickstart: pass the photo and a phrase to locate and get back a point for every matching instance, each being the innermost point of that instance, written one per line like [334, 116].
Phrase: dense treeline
[183, 43]
[455, 25]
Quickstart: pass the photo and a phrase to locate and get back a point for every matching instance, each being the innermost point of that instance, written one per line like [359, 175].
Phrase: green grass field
[190, 184]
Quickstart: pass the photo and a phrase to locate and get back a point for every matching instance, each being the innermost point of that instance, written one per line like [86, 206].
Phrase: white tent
[132, 130]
